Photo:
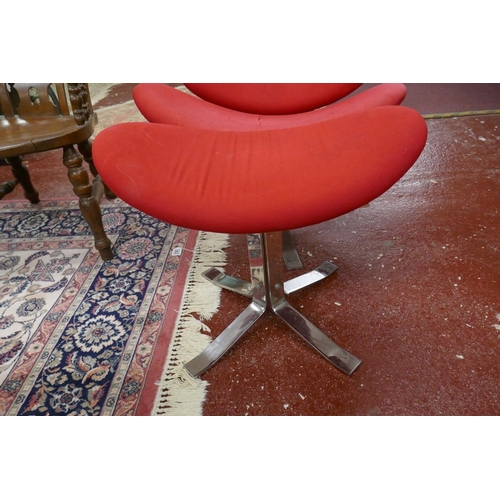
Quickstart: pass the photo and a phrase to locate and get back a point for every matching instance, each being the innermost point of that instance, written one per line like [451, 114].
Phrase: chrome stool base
[268, 292]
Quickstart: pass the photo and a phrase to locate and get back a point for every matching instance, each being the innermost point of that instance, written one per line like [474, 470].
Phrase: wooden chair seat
[39, 117]
[39, 134]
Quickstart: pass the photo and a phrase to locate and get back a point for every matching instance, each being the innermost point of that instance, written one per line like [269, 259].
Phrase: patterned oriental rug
[79, 336]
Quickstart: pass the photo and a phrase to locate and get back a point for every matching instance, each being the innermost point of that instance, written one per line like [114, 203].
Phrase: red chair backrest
[272, 98]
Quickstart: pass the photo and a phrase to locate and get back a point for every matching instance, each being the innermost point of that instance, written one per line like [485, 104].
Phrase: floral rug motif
[77, 335]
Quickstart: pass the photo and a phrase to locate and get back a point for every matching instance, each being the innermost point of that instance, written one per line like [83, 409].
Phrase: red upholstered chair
[261, 160]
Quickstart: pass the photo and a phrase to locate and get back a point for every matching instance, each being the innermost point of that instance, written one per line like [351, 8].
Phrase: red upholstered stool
[261, 182]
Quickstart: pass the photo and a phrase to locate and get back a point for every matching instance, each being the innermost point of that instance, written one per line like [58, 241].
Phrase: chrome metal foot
[290, 255]
[221, 344]
[320, 273]
[228, 282]
[332, 352]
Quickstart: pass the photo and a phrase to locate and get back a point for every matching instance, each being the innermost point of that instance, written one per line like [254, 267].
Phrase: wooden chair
[37, 117]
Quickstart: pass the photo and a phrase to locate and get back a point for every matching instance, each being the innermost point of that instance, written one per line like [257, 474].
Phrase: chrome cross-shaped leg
[333, 353]
[257, 290]
[290, 255]
[268, 292]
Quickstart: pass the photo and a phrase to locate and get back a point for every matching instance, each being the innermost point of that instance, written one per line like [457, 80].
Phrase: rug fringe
[179, 393]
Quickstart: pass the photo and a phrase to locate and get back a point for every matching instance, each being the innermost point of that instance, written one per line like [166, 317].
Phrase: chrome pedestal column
[268, 292]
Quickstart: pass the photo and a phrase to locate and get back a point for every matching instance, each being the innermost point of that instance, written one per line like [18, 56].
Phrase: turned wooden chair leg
[23, 176]
[89, 205]
[85, 149]
[7, 187]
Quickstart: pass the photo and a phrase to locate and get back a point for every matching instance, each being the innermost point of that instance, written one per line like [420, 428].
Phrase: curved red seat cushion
[259, 181]
[160, 103]
[272, 98]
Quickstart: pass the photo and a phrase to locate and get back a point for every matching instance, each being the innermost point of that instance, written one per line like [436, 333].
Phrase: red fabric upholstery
[272, 98]
[160, 103]
[259, 181]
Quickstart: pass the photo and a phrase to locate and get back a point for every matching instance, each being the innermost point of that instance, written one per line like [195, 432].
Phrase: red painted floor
[416, 296]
